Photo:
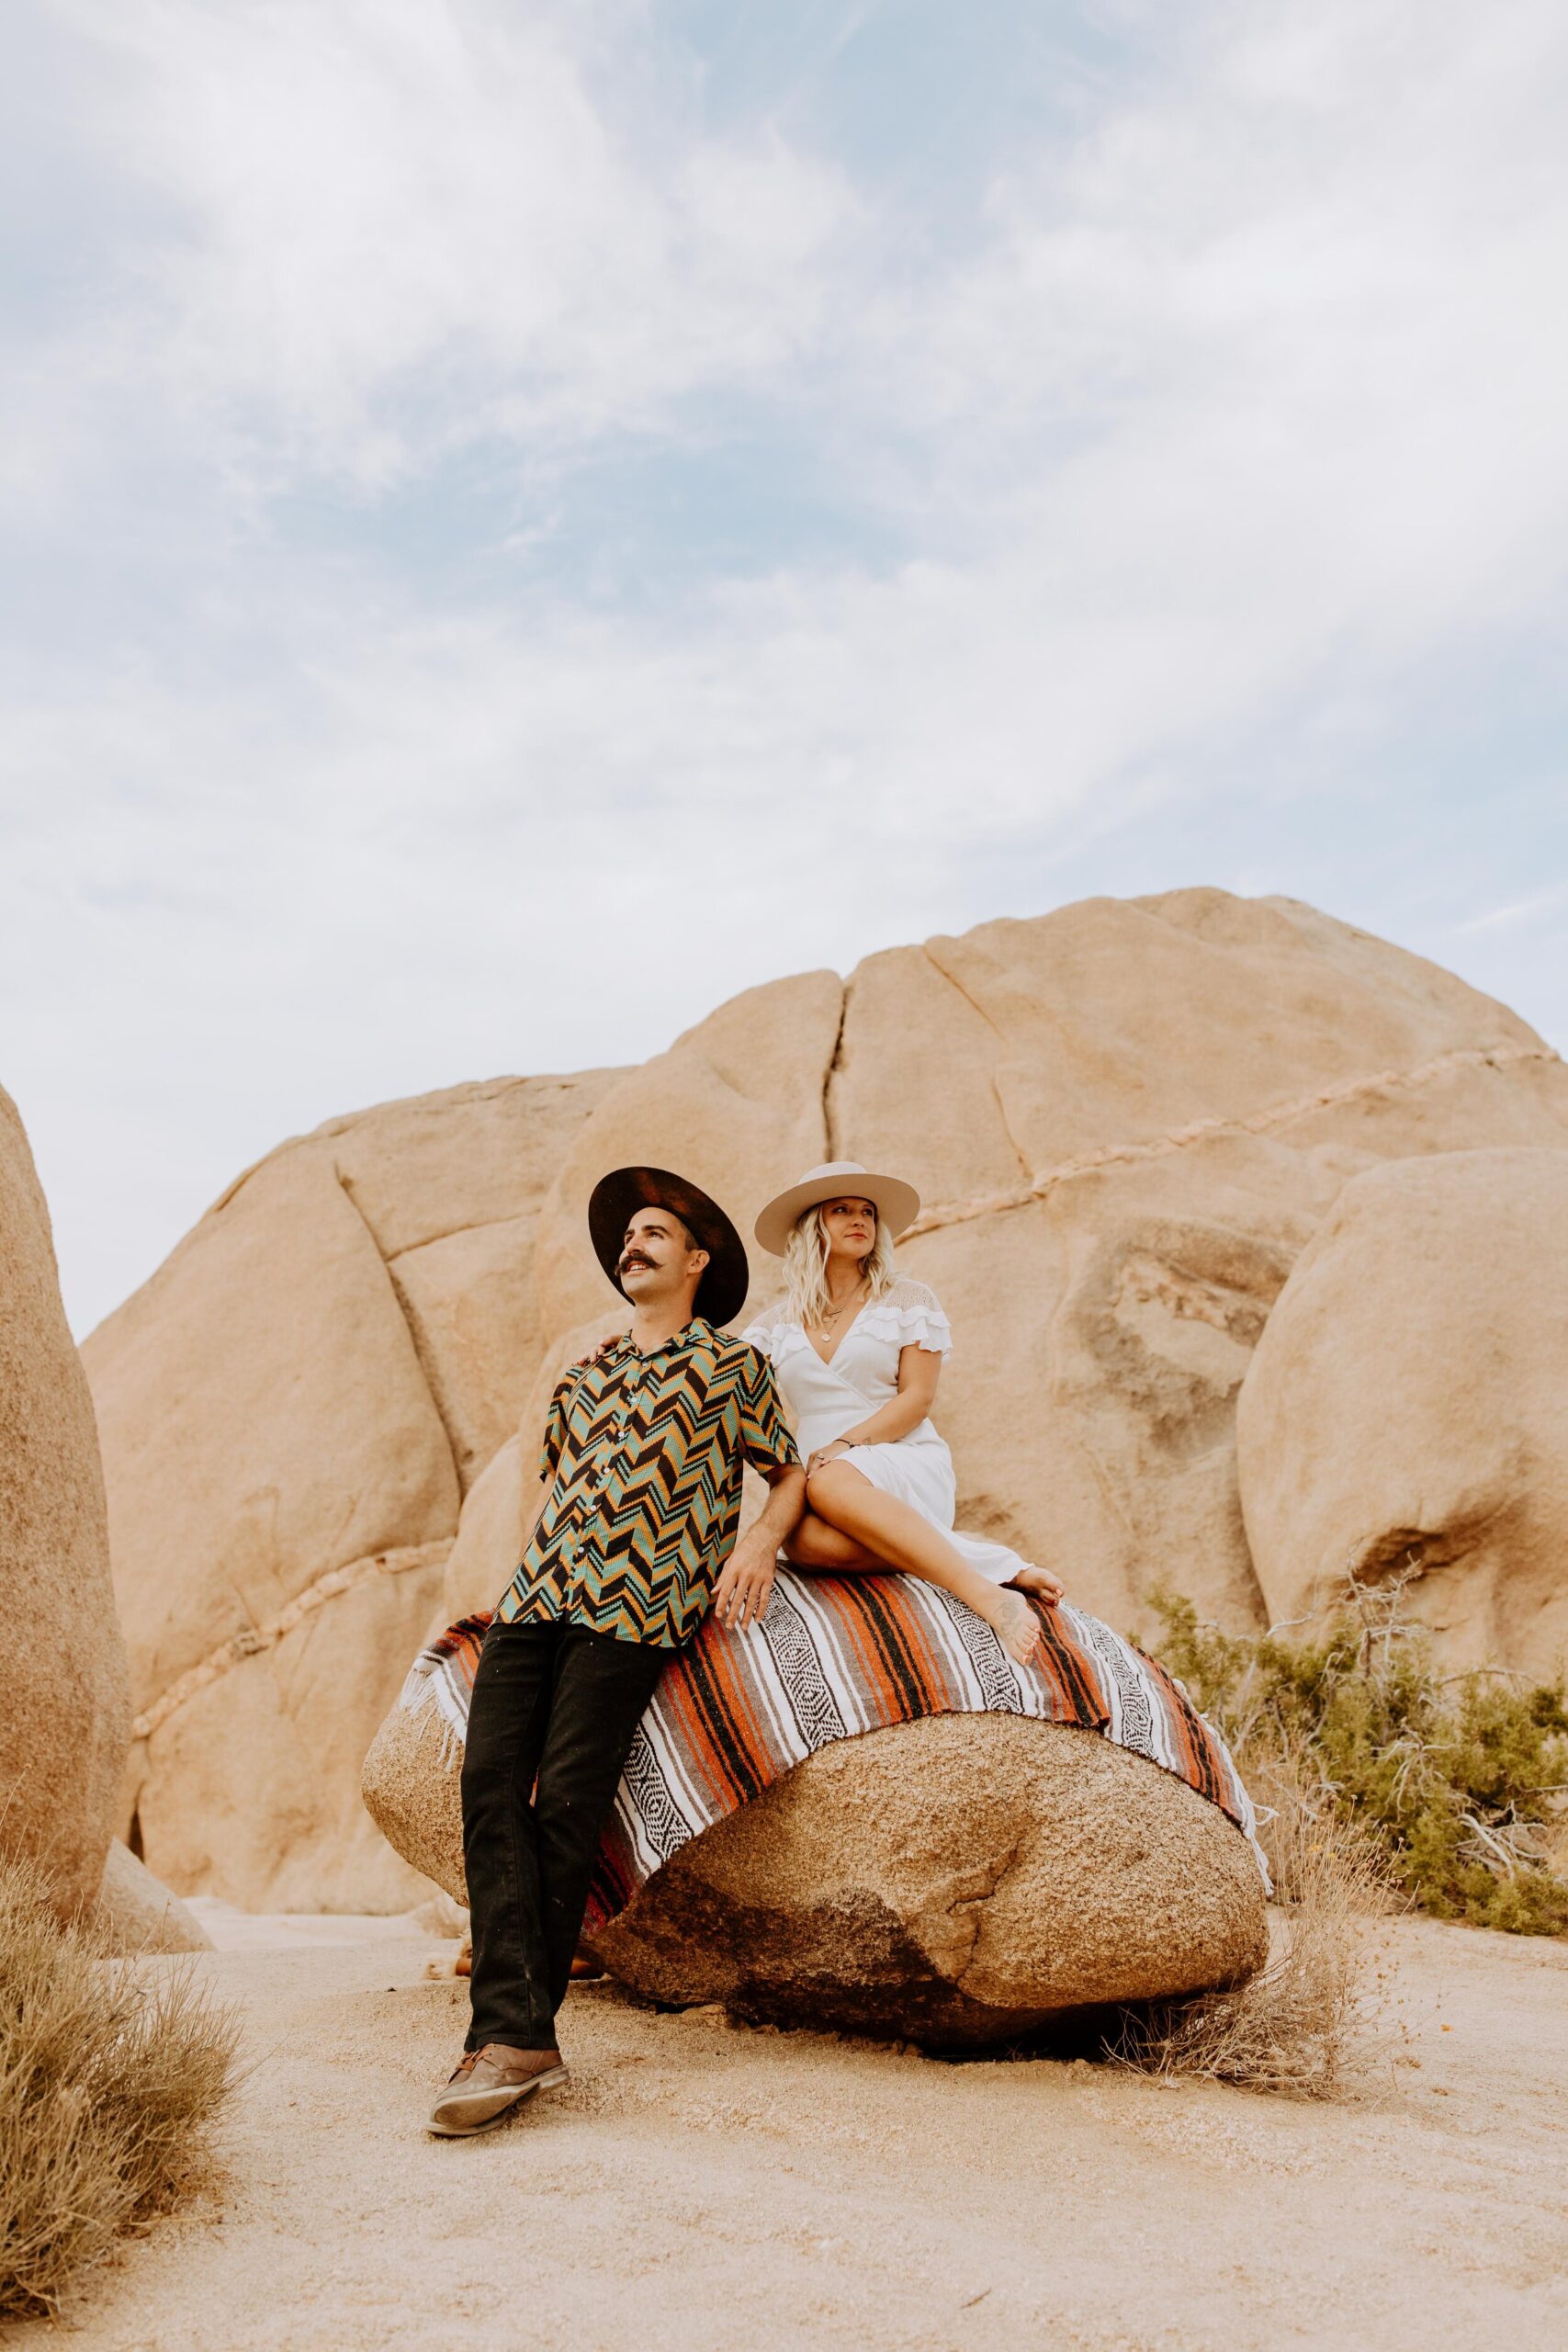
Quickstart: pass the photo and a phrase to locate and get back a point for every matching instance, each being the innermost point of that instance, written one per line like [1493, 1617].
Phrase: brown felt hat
[615, 1199]
[897, 1203]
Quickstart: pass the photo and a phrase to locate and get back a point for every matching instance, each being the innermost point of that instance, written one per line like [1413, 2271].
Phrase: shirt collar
[690, 1335]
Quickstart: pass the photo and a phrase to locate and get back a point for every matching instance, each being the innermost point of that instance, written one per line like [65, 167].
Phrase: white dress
[823, 1400]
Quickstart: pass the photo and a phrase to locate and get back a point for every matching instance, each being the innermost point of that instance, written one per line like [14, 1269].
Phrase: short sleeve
[555, 1428]
[764, 1434]
[910, 1316]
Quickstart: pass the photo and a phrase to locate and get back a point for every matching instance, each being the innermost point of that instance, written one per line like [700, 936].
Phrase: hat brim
[616, 1198]
[897, 1203]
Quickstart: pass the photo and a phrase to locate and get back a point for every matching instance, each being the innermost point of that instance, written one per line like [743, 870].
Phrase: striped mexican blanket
[836, 1655]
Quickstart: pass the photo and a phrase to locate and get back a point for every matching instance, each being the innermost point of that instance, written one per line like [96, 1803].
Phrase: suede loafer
[488, 2083]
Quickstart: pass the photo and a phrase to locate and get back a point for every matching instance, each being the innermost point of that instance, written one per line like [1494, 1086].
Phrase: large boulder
[1126, 1119]
[954, 1881]
[65, 1709]
[1405, 1418]
[291, 1409]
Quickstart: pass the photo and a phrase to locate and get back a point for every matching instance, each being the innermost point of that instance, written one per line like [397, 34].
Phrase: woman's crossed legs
[851, 1526]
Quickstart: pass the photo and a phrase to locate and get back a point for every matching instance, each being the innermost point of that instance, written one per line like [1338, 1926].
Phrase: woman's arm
[919, 1370]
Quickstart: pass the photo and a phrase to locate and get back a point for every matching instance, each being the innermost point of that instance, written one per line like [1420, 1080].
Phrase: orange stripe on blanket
[883, 1637]
[727, 1739]
[1203, 1759]
[1070, 1672]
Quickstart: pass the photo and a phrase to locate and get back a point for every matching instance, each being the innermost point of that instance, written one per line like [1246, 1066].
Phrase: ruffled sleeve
[909, 1316]
[771, 1331]
[761, 1335]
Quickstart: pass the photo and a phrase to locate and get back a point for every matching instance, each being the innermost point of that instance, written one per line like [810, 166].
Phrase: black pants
[554, 1712]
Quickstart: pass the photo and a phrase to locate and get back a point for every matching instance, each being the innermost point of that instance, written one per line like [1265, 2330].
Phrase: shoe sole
[454, 2120]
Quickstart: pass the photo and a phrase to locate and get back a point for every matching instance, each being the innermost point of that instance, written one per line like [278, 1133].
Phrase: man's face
[658, 1259]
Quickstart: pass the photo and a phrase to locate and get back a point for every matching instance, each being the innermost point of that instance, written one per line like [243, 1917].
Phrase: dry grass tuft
[1297, 2027]
[109, 2084]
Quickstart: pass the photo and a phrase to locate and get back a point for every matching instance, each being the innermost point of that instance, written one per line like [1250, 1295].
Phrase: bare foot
[1015, 1625]
[1040, 1583]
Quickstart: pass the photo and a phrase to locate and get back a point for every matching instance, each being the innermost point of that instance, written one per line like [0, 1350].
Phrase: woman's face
[851, 1226]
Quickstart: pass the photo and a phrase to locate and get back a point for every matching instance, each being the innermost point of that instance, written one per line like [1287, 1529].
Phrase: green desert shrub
[111, 2073]
[1457, 1781]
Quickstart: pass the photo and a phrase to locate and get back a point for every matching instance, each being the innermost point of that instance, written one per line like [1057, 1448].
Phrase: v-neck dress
[823, 1400]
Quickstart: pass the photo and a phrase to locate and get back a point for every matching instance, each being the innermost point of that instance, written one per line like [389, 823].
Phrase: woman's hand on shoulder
[599, 1349]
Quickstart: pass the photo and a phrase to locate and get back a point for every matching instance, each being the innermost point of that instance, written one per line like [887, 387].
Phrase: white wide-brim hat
[897, 1203]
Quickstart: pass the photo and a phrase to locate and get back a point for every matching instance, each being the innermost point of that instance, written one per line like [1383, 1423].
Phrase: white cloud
[399, 225]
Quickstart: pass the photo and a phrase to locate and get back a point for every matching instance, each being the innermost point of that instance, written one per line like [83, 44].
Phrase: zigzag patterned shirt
[645, 1456]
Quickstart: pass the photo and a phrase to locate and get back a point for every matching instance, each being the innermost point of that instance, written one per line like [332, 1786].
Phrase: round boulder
[955, 1882]
[411, 1784]
[1405, 1418]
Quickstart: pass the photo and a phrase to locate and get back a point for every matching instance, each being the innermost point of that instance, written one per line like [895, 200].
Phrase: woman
[856, 1352]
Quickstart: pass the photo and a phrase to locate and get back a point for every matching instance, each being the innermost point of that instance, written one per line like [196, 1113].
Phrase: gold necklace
[828, 1320]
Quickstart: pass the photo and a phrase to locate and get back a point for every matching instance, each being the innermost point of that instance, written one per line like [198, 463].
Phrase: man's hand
[743, 1591]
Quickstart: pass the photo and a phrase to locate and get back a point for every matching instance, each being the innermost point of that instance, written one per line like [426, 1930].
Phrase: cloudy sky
[519, 520]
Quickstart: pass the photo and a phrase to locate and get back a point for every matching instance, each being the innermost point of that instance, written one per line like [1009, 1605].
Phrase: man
[630, 1536]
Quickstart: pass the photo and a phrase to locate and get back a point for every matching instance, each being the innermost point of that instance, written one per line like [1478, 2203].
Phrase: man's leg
[509, 1988]
[563, 1704]
[601, 1687]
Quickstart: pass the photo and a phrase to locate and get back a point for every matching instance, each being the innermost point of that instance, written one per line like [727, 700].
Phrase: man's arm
[743, 1591]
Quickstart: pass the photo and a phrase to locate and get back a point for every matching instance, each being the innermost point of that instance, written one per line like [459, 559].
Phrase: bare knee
[828, 1490]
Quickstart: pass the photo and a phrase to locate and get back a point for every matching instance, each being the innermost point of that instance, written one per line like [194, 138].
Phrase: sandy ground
[700, 2188]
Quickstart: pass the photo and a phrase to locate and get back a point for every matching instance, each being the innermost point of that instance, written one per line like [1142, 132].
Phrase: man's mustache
[634, 1258]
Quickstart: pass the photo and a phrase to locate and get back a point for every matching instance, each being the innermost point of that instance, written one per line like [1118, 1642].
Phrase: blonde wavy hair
[806, 1264]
